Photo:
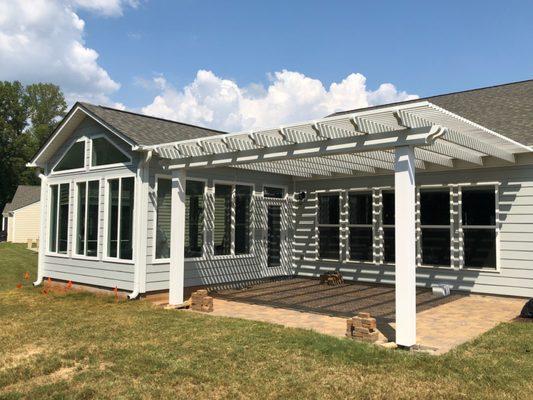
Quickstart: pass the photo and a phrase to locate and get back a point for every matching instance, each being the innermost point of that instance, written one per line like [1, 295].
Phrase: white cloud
[290, 97]
[42, 41]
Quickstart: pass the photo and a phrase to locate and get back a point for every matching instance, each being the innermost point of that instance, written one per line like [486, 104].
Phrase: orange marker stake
[27, 276]
[69, 284]
[19, 285]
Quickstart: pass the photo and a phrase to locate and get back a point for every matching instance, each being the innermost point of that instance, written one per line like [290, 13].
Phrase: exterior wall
[515, 203]
[210, 269]
[26, 223]
[95, 271]
[10, 229]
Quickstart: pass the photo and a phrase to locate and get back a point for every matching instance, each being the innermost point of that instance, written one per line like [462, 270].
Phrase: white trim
[92, 167]
[75, 220]
[105, 256]
[55, 253]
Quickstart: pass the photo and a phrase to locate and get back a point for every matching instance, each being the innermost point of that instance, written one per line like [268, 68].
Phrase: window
[243, 197]
[388, 218]
[163, 218]
[273, 192]
[222, 234]
[120, 218]
[360, 226]
[59, 210]
[479, 227]
[435, 225]
[194, 218]
[74, 158]
[87, 218]
[232, 202]
[105, 153]
[328, 226]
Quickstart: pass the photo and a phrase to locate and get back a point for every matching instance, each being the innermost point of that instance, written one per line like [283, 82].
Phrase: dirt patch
[15, 359]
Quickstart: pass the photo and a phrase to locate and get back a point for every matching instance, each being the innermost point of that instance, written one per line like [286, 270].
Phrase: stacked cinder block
[200, 301]
[362, 327]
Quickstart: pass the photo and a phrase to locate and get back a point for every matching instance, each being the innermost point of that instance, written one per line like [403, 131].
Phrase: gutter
[136, 281]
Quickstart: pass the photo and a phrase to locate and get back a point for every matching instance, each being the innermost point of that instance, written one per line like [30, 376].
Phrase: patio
[442, 322]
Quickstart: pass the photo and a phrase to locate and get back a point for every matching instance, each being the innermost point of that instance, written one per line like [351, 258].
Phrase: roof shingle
[24, 196]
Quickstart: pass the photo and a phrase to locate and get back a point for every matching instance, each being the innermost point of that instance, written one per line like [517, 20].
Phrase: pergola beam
[361, 143]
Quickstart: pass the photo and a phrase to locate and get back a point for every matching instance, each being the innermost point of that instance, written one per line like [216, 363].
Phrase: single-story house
[21, 218]
[430, 191]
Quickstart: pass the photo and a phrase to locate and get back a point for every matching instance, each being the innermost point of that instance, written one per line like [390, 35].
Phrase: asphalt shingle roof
[145, 130]
[24, 196]
[506, 109]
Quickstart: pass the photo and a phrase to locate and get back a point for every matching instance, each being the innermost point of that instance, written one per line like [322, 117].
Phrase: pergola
[395, 140]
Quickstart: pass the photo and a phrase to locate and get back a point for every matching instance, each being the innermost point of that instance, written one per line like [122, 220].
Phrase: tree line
[28, 115]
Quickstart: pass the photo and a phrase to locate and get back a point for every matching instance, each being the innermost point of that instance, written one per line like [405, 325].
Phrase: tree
[28, 115]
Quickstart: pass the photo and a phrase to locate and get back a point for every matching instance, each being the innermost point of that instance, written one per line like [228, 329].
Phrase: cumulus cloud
[290, 96]
[42, 41]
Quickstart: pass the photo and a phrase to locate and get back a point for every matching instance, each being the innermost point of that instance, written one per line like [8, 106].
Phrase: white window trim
[371, 225]
[53, 172]
[232, 254]
[496, 227]
[284, 188]
[75, 219]
[105, 257]
[318, 225]
[112, 141]
[156, 260]
[48, 252]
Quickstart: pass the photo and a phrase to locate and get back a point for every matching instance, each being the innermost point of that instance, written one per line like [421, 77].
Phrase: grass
[84, 346]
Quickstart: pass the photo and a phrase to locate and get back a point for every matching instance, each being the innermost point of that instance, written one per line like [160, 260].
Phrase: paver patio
[442, 322]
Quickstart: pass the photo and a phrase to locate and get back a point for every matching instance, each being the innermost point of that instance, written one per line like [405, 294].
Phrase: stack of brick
[200, 301]
[332, 278]
[362, 327]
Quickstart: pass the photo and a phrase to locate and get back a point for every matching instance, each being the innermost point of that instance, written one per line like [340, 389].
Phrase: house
[21, 217]
[429, 191]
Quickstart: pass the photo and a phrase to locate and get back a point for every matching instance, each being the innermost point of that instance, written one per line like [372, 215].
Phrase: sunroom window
[120, 218]
[194, 218]
[163, 218]
[106, 153]
[74, 158]
[328, 226]
[479, 226]
[388, 220]
[59, 210]
[435, 225]
[87, 218]
[222, 234]
[360, 226]
[243, 198]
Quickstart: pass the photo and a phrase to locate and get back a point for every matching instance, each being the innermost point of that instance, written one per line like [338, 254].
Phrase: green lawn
[83, 346]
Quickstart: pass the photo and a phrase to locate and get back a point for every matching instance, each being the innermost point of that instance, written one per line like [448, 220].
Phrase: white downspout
[140, 222]
[42, 232]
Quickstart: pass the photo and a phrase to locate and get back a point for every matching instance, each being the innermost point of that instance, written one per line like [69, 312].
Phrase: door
[273, 235]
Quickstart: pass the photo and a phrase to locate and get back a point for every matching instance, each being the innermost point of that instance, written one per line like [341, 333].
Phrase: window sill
[118, 260]
[371, 263]
[228, 256]
[87, 258]
[484, 270]
[47, 254]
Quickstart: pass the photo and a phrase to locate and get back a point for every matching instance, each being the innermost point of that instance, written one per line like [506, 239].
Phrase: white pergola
[397, 140]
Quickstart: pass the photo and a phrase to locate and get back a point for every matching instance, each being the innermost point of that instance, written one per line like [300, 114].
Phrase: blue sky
[136, 53]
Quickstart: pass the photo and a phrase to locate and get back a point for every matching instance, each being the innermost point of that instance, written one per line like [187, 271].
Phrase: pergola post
[177, 237]
[405, 247]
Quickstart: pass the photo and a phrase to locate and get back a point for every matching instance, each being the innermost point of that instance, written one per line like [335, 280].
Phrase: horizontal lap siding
[92, 272]
[516, 235]
[212, 270]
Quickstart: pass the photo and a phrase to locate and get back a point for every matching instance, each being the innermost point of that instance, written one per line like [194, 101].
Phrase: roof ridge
[153, 117]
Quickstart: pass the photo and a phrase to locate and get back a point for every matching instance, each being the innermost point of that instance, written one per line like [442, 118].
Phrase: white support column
[42, 229]
[405, 233]
[177, 238]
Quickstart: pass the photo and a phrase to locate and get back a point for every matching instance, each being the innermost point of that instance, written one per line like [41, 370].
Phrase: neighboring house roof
[24, 196]
[506, 109]
[7, 209]
[145, 130]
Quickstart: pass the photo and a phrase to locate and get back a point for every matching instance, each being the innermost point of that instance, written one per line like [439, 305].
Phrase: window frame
[496, 227]
[92, 167]
[420, 226]
[349, 258]
[156, 260]
[105, 249]
[68, 171]
[233, 185]
[48, 252]
[384, 226]
[284, 188]
[318, 225]
[75, 218]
